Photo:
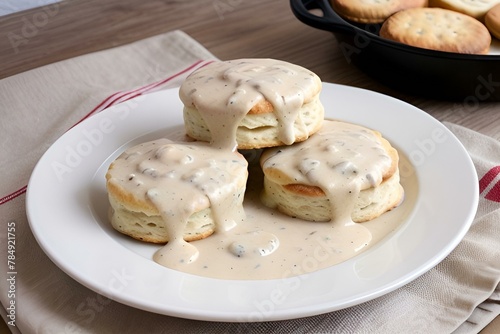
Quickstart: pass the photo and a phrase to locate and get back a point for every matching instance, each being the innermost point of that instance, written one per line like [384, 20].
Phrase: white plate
[66, 205]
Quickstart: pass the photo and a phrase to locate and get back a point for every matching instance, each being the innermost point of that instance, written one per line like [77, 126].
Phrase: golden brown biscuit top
[372, 11]
[437, 29]
[474, 8]
[492, 21]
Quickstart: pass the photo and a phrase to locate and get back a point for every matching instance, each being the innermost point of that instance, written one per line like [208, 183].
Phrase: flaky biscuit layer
[260, 129]
[310, 204]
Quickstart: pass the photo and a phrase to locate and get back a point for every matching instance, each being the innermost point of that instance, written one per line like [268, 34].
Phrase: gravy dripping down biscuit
[162, 191]
[343, 173]
[251, 103]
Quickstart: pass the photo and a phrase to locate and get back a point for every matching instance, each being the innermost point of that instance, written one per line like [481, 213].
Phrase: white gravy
[224, 92]
[264, 244]
[257, 242]
[180, 179]
[341, 159]
[298, 246]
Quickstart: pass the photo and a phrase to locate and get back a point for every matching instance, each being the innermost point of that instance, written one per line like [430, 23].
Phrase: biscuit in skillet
[437, 29]
[474, 8]
[372, 11]
[492, 21]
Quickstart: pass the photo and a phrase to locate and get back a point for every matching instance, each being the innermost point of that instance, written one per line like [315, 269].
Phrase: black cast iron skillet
[470, 79]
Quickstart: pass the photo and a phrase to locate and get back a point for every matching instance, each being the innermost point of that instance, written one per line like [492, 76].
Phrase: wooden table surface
[229, 29]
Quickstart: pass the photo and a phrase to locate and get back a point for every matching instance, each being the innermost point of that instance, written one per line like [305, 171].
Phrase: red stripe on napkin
[488, 178]
[494, 193]
[13, 195]
[115, 99]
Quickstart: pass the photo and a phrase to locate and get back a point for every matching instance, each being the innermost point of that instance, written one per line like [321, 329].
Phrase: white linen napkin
[461, 294]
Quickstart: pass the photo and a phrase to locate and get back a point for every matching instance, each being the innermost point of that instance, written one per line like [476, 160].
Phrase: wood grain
[228, 28]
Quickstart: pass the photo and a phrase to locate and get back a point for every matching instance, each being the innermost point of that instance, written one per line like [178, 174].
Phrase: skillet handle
[330, 21]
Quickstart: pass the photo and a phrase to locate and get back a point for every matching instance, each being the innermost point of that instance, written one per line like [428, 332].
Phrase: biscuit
[372, 11]
[257, 102]
[492, 21]
[344, 169]
[474, 8]
[158, 178]
[437, 29]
